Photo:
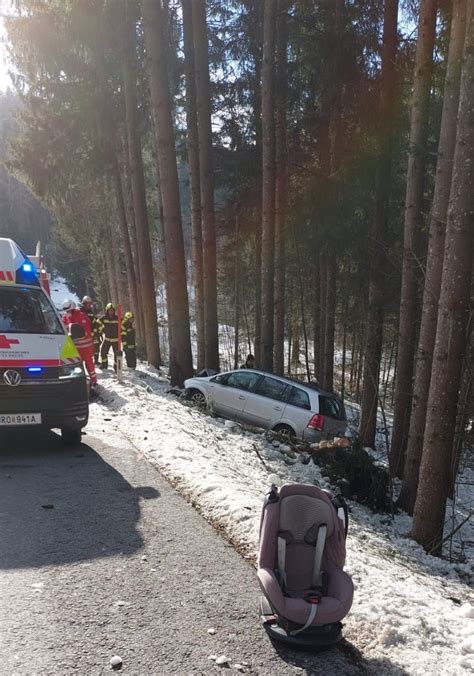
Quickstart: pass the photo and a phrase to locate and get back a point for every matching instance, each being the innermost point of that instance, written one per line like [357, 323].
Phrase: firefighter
[109, 328]
[128, 339]
[87, 307]
[85, 346]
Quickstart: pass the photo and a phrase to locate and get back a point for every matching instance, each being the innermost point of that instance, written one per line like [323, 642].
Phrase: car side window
[272, 388]
[299, 398]
[242, 380]
[331, 407]
[220, 379]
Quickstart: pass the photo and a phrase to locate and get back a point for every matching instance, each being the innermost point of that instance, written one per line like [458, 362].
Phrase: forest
[21, 215]
[294, 174]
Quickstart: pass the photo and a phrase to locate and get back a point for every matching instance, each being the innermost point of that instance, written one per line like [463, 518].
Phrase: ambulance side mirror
[76, 331]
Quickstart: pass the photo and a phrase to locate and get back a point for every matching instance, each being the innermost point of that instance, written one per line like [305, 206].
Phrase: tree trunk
[128, 199]
[181, 361]
[464, 411]
[258, 295]
[194, 179]
[256, 13]
[162, 244]
[316, 320]
[343, 365]
[360, 360]
[122, 219]
[453, 313]
[296, 347]
[122, 294]
[268, 183]
[330, 159]
[145, 259]
[330, 325]
[302, 303]
[203, 91]
[374, 331]
[409, 314]
[290, 343]
[355, 330]
[385, 382]
[323, 286]
[280, 182]
[111, 276]
[434, 265]
[236, 291]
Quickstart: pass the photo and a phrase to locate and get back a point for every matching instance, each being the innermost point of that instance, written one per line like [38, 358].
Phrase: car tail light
[317, 422]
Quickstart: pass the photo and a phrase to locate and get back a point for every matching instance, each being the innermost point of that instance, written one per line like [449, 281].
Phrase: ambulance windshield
[27, 311]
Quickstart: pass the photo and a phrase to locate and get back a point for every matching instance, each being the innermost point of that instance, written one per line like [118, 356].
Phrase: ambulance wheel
[71, 436]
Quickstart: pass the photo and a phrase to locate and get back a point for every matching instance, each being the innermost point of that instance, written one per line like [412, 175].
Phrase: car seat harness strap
[316, 580]
[282, 562]
[309, 621]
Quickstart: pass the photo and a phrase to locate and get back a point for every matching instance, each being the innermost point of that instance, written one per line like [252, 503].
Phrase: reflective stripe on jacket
[109, 327]
[128, 336]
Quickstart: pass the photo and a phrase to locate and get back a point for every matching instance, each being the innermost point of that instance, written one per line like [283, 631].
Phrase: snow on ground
[60, 291]
[412, 613]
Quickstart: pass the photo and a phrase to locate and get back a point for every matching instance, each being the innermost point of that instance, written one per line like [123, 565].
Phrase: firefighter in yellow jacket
[128, 340]
[109, 328]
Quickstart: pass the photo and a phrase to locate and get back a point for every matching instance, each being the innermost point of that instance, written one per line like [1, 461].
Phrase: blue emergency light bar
[26, 274]
[34, 369]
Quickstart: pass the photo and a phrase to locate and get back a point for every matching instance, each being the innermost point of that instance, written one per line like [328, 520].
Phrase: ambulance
[42, 380]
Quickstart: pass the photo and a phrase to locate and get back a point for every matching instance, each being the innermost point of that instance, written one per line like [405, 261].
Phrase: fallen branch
[260, 457]
[438, 546]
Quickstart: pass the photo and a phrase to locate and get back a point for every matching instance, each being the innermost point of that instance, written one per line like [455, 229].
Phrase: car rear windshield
[27, 311]
[331, 407]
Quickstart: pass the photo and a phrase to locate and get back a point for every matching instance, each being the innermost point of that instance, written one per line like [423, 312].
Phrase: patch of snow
[60, 291]
[466, 610]
[410, 610]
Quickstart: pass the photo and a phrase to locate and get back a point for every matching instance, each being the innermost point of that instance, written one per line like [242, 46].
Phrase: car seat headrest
[300, 515]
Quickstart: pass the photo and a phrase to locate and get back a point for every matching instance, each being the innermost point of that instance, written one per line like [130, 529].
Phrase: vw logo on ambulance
[12, 378]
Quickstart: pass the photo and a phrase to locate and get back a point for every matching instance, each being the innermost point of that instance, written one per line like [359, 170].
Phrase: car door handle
[241, 396]
[277, 408]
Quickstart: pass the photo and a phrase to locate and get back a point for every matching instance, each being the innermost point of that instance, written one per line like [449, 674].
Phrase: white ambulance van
[42, 380]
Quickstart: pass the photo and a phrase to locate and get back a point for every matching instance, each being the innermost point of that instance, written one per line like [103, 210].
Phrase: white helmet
[69, 305]
[87, 299]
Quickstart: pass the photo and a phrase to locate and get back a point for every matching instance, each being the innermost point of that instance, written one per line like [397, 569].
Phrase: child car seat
[302, 551]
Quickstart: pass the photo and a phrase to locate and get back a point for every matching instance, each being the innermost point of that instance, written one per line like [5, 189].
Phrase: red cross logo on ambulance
[6, 344]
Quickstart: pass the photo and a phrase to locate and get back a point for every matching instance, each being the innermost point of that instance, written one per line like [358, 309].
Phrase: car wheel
[285, 430]
[71, 436]
[196, 398]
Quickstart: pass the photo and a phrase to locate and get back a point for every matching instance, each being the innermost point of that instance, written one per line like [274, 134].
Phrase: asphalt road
[99, 556]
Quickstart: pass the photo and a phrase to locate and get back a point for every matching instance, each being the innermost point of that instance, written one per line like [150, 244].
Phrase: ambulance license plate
[14, 419]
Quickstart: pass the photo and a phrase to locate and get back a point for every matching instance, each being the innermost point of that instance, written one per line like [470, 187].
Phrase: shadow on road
[321, 662]
[59, 505]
